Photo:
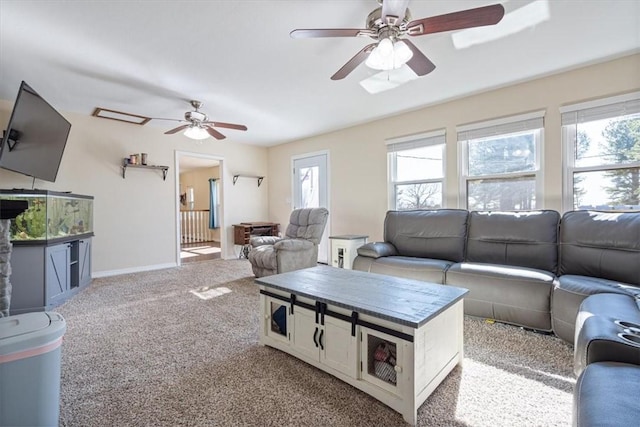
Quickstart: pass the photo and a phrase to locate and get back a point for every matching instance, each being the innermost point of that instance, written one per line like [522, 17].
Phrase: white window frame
[571, 115]
[396, 145]
[527, 122]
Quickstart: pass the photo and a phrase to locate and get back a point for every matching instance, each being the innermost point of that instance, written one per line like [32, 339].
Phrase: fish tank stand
[51, 254]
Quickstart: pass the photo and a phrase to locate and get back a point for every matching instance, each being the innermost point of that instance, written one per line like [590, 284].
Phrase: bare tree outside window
[417, 175]
[419, 196]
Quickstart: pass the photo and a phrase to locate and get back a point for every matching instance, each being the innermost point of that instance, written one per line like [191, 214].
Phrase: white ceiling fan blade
[394, 8]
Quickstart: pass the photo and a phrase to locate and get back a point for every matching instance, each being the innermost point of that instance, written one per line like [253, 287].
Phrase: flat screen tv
[36, 135]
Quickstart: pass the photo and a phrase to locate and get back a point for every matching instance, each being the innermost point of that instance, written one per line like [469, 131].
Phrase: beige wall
[358, 162]
[199, 180]
[135, 218]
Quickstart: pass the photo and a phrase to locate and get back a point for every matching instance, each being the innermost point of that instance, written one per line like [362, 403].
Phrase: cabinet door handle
[315, 337]
[320, 339]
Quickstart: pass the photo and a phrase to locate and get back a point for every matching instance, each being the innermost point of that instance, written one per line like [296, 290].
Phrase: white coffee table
[336, 320]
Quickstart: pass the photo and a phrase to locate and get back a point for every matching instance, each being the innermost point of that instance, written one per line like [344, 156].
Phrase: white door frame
[325, 153]
[178, 156]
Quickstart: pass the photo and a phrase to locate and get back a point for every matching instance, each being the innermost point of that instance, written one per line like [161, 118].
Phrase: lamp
[389, 55]
[196, 132]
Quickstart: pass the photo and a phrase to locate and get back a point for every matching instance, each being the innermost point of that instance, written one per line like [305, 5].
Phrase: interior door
[310, 190]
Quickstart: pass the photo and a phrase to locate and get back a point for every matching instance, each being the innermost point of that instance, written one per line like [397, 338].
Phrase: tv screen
[35, 138]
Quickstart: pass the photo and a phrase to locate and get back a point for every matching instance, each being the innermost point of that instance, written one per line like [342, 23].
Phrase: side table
[344, 249]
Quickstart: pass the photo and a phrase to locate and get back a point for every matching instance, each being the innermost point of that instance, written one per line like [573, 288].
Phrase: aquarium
[50, 215]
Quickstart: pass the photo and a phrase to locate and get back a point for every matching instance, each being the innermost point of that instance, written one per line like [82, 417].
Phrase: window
[500, 163]
[416, 171]
[601, 140]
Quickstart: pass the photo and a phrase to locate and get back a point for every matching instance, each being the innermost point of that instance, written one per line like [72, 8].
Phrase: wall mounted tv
[36, 135]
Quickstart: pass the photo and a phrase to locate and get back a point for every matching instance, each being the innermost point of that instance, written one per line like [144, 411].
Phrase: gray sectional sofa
[577, 276]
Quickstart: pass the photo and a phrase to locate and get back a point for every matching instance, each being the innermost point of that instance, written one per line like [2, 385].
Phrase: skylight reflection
[513, 22]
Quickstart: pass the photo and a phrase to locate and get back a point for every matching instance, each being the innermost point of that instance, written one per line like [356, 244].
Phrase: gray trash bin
[30, 349]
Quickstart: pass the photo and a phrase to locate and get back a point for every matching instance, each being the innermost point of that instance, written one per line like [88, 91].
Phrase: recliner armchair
[297, 250]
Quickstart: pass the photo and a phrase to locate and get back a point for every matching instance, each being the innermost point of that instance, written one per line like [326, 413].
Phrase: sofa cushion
[525, 239]
[425, 269]
[516, 295]
[602, 331]
[606, 395]
[568, 294]
[601, 244]
[435, 234]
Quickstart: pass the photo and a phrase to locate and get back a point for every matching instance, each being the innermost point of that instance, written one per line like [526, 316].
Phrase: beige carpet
[143, 350]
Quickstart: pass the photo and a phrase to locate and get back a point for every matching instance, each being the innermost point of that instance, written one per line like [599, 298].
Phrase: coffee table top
[403, 301]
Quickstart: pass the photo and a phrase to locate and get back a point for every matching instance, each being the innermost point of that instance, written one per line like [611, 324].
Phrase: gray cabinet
[57, 273]
[44, 276]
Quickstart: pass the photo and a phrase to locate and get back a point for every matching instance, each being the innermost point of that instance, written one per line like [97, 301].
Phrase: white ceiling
[150, 57]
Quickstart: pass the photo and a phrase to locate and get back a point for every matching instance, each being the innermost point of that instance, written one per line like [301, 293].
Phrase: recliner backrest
[523, 239]
[601, 244]
[436, 234]
[307, 223]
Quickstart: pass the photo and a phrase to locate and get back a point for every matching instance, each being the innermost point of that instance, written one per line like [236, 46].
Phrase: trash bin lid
[27, 323]
[28, 330]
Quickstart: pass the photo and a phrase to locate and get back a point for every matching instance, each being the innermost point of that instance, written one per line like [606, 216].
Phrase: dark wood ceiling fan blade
[214, 133]
[327, 32]
[478, 17]
[419, 63]
[226, 125]
[353, 62]
[176, 130]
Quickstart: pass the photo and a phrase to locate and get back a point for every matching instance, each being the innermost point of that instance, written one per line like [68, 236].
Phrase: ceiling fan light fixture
[402, 53]
[196, 132]
[388, 55]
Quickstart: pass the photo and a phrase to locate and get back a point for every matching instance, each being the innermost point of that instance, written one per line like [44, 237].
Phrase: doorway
[310, 190]
[198, 178]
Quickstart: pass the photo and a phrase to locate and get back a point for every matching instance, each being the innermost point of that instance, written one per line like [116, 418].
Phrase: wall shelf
[259, 178]
[126, 165]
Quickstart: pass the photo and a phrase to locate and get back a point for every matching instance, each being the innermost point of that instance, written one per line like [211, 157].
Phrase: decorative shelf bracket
[126, 165]
[260, 178]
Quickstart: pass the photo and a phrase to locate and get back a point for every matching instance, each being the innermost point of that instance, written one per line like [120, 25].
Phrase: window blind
[416, 141]
[601, 109]
[519, 123]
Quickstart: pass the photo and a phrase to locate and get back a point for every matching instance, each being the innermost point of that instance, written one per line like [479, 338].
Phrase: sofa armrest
[263, 240]
[377, 250]
[598, 338]
[293, 245]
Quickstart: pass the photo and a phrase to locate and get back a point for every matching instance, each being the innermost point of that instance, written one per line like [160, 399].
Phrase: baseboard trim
[108, 273]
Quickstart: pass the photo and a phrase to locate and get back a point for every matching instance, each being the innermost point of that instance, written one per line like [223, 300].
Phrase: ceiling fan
[388, 25]
[198, 125]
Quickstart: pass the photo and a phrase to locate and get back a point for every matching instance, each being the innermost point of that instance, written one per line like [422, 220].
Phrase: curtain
[213, 203]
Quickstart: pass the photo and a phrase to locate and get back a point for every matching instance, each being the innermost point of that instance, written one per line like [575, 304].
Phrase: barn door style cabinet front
[323, 338]
[332, 339]
[305, 329]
